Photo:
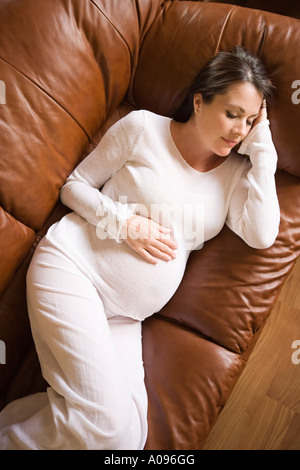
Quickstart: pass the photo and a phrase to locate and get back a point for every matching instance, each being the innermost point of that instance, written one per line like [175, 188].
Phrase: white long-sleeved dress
[87, 288]
[138, 167]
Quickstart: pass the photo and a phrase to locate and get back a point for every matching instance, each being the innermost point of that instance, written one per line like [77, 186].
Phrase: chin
[223, 152]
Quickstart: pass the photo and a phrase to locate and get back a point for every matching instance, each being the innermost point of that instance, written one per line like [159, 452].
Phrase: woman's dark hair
[223, 70]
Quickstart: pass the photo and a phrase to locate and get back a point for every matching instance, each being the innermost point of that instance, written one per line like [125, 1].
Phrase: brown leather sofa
[281, 7]
[70, 69]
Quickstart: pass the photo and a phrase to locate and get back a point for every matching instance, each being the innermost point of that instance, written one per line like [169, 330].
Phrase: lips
[232, 143]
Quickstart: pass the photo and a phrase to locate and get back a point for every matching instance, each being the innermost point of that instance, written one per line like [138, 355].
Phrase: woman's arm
[254, 210]
[81, 192]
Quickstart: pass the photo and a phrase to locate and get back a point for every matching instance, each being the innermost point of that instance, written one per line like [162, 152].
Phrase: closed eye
[232, 116]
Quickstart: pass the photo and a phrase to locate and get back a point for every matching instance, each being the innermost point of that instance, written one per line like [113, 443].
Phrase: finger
[263, 115]
[263, 109]
[161, 228]
[170, 242]
[160, 254]
[161, 233]
[147, 256]
[162, 248]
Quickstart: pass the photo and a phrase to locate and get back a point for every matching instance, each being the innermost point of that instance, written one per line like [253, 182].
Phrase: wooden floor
[263, 412]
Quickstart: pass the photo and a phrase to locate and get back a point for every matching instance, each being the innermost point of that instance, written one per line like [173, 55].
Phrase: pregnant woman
[153, 190]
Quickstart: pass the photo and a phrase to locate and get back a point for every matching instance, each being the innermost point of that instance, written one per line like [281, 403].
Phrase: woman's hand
[149, 239]
[263, 115]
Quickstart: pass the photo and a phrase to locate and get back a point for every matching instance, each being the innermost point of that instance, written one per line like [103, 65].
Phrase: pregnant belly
[122, 277]
[136, 286]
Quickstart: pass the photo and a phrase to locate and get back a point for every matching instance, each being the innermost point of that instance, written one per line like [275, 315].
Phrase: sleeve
[81, 191]
[254, 212]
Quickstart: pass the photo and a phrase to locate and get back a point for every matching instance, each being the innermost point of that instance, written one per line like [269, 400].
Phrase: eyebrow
[241, 109]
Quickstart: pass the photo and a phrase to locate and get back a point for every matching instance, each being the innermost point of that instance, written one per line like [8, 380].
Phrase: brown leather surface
[15, 241]
[72, 68]
[281, 7]
[188, 380]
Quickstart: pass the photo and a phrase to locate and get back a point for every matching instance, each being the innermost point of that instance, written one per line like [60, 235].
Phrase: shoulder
[144, 122]
[134, 119]
[140, 126]
[146, 117]
[127, 130]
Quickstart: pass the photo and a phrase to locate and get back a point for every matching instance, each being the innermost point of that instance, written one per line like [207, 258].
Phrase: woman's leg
[96, 398]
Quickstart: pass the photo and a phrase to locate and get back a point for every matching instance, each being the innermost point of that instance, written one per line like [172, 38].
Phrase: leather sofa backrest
[64, 73]
[286, 7]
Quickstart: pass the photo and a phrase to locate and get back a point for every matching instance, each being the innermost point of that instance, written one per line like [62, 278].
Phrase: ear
[197, 101]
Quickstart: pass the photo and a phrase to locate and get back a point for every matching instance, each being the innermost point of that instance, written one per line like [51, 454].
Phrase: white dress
[139, 168]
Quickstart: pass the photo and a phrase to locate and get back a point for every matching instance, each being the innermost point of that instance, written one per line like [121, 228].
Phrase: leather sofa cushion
[179, 394]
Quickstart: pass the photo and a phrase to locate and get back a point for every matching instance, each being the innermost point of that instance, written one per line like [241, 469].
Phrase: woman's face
[227, 120]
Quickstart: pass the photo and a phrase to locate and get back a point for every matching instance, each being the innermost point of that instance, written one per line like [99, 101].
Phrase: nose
[240, 129]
